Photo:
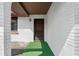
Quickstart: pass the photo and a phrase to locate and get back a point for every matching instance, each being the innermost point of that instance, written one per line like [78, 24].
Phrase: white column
[7, 28]
[1, 29]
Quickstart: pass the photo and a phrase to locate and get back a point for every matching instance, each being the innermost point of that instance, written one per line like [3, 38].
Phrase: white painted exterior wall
[76, 29]
[60, 21]
[58, 28]
[5, 16]
[7, 28]
[25, 29]
[1, 29]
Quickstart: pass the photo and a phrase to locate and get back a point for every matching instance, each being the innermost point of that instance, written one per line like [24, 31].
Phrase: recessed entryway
[29, 39]
[39, 30]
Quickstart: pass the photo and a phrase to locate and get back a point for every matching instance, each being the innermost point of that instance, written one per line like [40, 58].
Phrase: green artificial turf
[37, 49]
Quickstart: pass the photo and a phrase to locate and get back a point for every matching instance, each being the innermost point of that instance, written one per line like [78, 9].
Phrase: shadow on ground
[37, 49]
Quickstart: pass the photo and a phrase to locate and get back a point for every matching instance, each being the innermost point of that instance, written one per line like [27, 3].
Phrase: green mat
[37, 49]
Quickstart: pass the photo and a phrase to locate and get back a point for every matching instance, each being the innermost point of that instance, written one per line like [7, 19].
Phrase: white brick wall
[60, 21]
[1, 29]
[7, 28]
[25, 29]
[76, 29]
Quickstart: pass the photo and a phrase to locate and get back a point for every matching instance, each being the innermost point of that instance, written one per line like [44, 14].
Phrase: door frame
[34, 28]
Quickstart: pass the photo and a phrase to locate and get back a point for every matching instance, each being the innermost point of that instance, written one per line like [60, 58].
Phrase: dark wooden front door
[39, 30]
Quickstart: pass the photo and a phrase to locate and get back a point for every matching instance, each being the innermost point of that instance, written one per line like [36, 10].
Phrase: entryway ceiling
[24, 9]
